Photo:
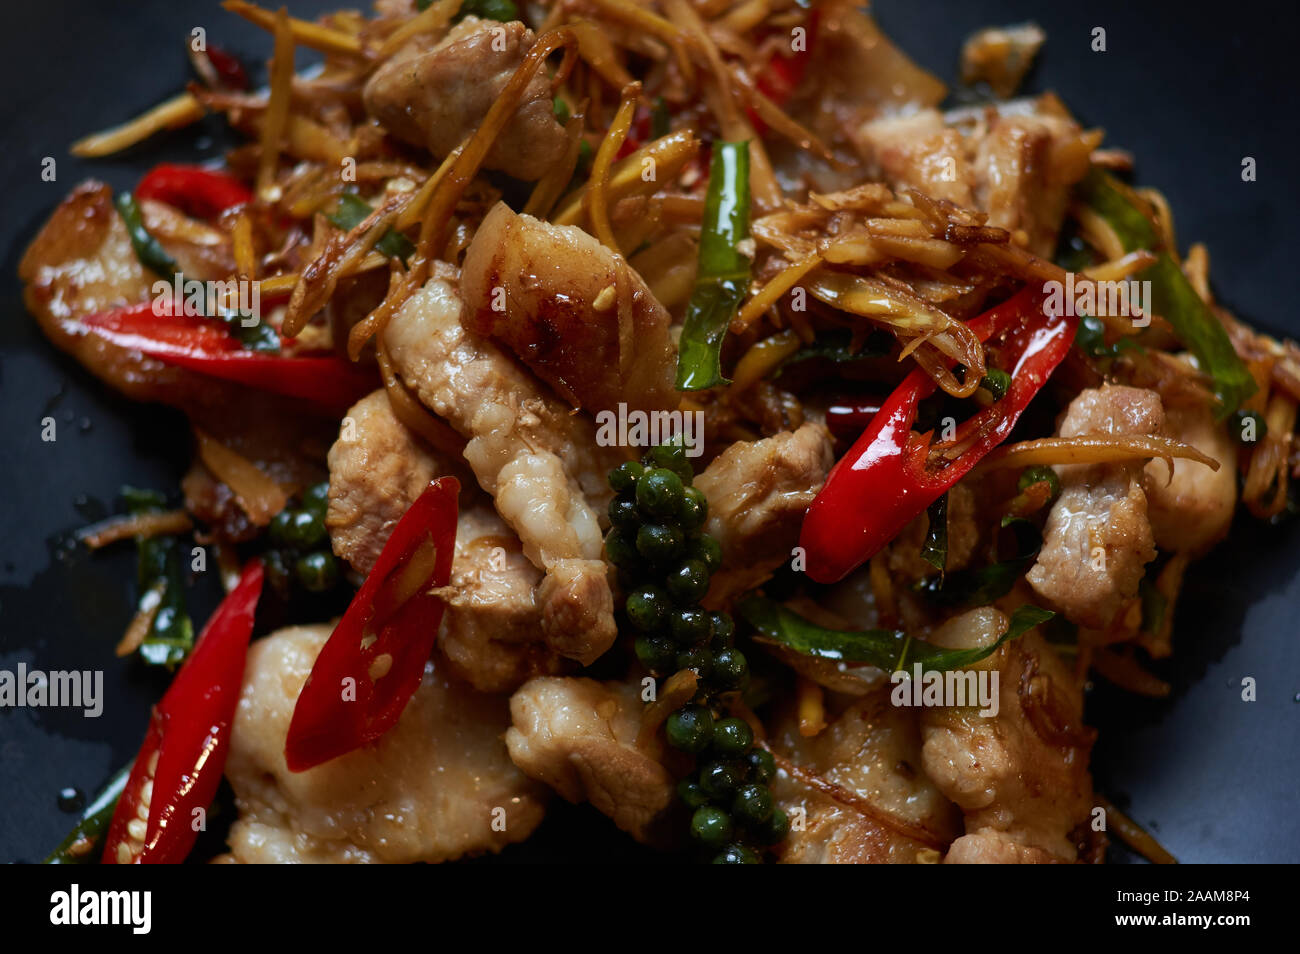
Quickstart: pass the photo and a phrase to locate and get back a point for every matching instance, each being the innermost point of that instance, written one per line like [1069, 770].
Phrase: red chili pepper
[230, 72]
[889, 476]
[848, 418]
[205, 345]
[781, 76]
[184, 752]
[372, 663]
[198, 192]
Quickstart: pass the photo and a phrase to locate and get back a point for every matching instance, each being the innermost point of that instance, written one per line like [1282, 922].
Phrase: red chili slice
[205, 345]
[889, 476]
[372, 663]
[198, 192]
[184, 751]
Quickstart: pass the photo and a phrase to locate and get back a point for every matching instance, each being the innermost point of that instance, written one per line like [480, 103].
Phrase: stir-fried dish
[661, 404]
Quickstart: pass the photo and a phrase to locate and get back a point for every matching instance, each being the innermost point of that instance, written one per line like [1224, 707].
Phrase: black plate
[1190, 94]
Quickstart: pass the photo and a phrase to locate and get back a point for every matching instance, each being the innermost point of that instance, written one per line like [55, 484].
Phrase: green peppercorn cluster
[664, 560]
[300, 544]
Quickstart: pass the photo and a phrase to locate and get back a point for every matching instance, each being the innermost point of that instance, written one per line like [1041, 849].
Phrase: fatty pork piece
[1098, 539]
[429, 790]
[1020, 777]
[82, 263]
[1192, 511]
[438, 97]
[491, 630]
[579, 737]
[537, 459]
[860, 788]
[1016, 164]
[572, 310]
[759, 490]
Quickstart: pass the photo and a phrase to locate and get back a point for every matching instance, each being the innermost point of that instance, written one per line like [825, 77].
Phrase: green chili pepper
[83, 844]
[883, 648]
[997, 382]
[723, 276]
[501, 10]
[352, 211]
[151, 254]
[1172, 295]
[158, 572]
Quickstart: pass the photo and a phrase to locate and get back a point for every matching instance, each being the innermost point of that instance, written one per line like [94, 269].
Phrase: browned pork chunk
[1021, 776]
[579, 736]
[856, 792]
[759, 490]
[573, 310]
[1098, 539]
[1192, 511]
[539, 461]
[437, 98]
[491, 632]
[437, 786]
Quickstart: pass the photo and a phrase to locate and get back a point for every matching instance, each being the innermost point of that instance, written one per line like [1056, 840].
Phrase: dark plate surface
[1214, 777]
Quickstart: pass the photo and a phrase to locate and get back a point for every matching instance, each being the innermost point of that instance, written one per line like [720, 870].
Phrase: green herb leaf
[151, 254]
[935, 549]
[88, 834]
[885, 649]
[158, 571]
[659, 119]
[1172, 295]
[352, 211]
[987, 584]
[723, 276]
[836, 346]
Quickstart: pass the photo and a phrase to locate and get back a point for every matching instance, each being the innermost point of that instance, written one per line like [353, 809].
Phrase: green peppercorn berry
[647, 608]
[707, 550]
[688, 582]
[689, 791]
[624, 513]
[762, 767]
[673, 457]
[656, 653]
[621, 548]
[1034, 475]
[730, 668]
[752, 805]
[659, 543]
[698, 658]
[732, 738]
[317, 571]
[659, 493]
[775, 828]
[306, 530]
[721, 631]
[711, 826]
[695, 509]
[997, 382]
[624, 477]
[735, 855]
[720, 779]
[278, 530]
[316, 498]
[690, 728]
[277, 571]
[689, 625]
